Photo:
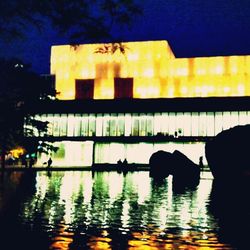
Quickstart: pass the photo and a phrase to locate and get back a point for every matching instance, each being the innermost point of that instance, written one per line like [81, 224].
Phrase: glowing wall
[148, 63]
[70, 153]
[83, 153]
[154, 69]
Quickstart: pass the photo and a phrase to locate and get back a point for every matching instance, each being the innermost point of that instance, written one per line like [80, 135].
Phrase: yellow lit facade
[153, 68]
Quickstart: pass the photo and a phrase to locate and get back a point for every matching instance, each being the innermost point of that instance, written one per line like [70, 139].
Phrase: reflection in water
[230, 206]
[107, 210]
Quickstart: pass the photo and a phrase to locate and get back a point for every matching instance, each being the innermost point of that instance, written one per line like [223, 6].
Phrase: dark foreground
[111, 210]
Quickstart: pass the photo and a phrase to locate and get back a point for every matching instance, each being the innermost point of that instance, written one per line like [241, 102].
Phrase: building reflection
[108, 209]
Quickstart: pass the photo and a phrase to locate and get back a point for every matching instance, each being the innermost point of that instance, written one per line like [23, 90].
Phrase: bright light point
[182, 72]
[211, 89]
[201, 72]
[218, 70]
[171, 92]
[16, 153]
[132, 57]
[18, 65]
[184, 90]
[148, 73]
[241, 89]
[234, 70]
[197, 90]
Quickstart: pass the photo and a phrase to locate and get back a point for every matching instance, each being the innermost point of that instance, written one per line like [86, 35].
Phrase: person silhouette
[125, 162]
[49, 162]
[201, 163]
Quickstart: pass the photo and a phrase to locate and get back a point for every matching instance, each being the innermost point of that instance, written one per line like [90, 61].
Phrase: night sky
[192, 27]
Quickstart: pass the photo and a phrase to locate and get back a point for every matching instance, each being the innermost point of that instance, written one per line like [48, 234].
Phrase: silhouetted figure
[49, 162]
[32, 162]
[122, 165]
[201, 163]
[119, 165]
[25, 162]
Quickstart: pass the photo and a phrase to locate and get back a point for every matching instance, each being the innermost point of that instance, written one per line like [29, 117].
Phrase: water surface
[110, 210]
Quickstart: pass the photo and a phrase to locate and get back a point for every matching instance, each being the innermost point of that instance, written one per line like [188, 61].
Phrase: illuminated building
[116, 106]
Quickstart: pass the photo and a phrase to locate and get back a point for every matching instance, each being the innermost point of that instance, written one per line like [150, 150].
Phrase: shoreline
[106, 167]
[94, 167]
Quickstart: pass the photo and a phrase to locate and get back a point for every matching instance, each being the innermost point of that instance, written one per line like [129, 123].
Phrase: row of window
[143, 124]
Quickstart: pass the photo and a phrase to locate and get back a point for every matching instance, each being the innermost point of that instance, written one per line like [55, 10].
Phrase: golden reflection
[110, 202]
[192, 240]
[101, 242]
[155, 71]
[62, 240]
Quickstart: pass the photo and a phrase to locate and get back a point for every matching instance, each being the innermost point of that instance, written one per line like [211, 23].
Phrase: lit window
[241, 89]
[201, 71]
[234, 69]
[182, 72]
[184, 90]
[226, 89]
[148, 73]
[218, 70]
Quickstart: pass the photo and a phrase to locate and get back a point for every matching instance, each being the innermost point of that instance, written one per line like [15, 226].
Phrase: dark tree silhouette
[81, 20]
[91, 20]
[20, 88]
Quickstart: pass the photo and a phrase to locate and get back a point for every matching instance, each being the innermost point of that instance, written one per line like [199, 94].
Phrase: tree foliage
[20, 88]
[81, 19]
[111, 48]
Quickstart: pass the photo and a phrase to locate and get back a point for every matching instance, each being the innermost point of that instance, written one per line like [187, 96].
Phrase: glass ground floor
[97, 138]
[190, 124]
[97, 132]
[87, 153]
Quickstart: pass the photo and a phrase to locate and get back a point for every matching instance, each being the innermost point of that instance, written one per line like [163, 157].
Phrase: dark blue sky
[192, 27]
